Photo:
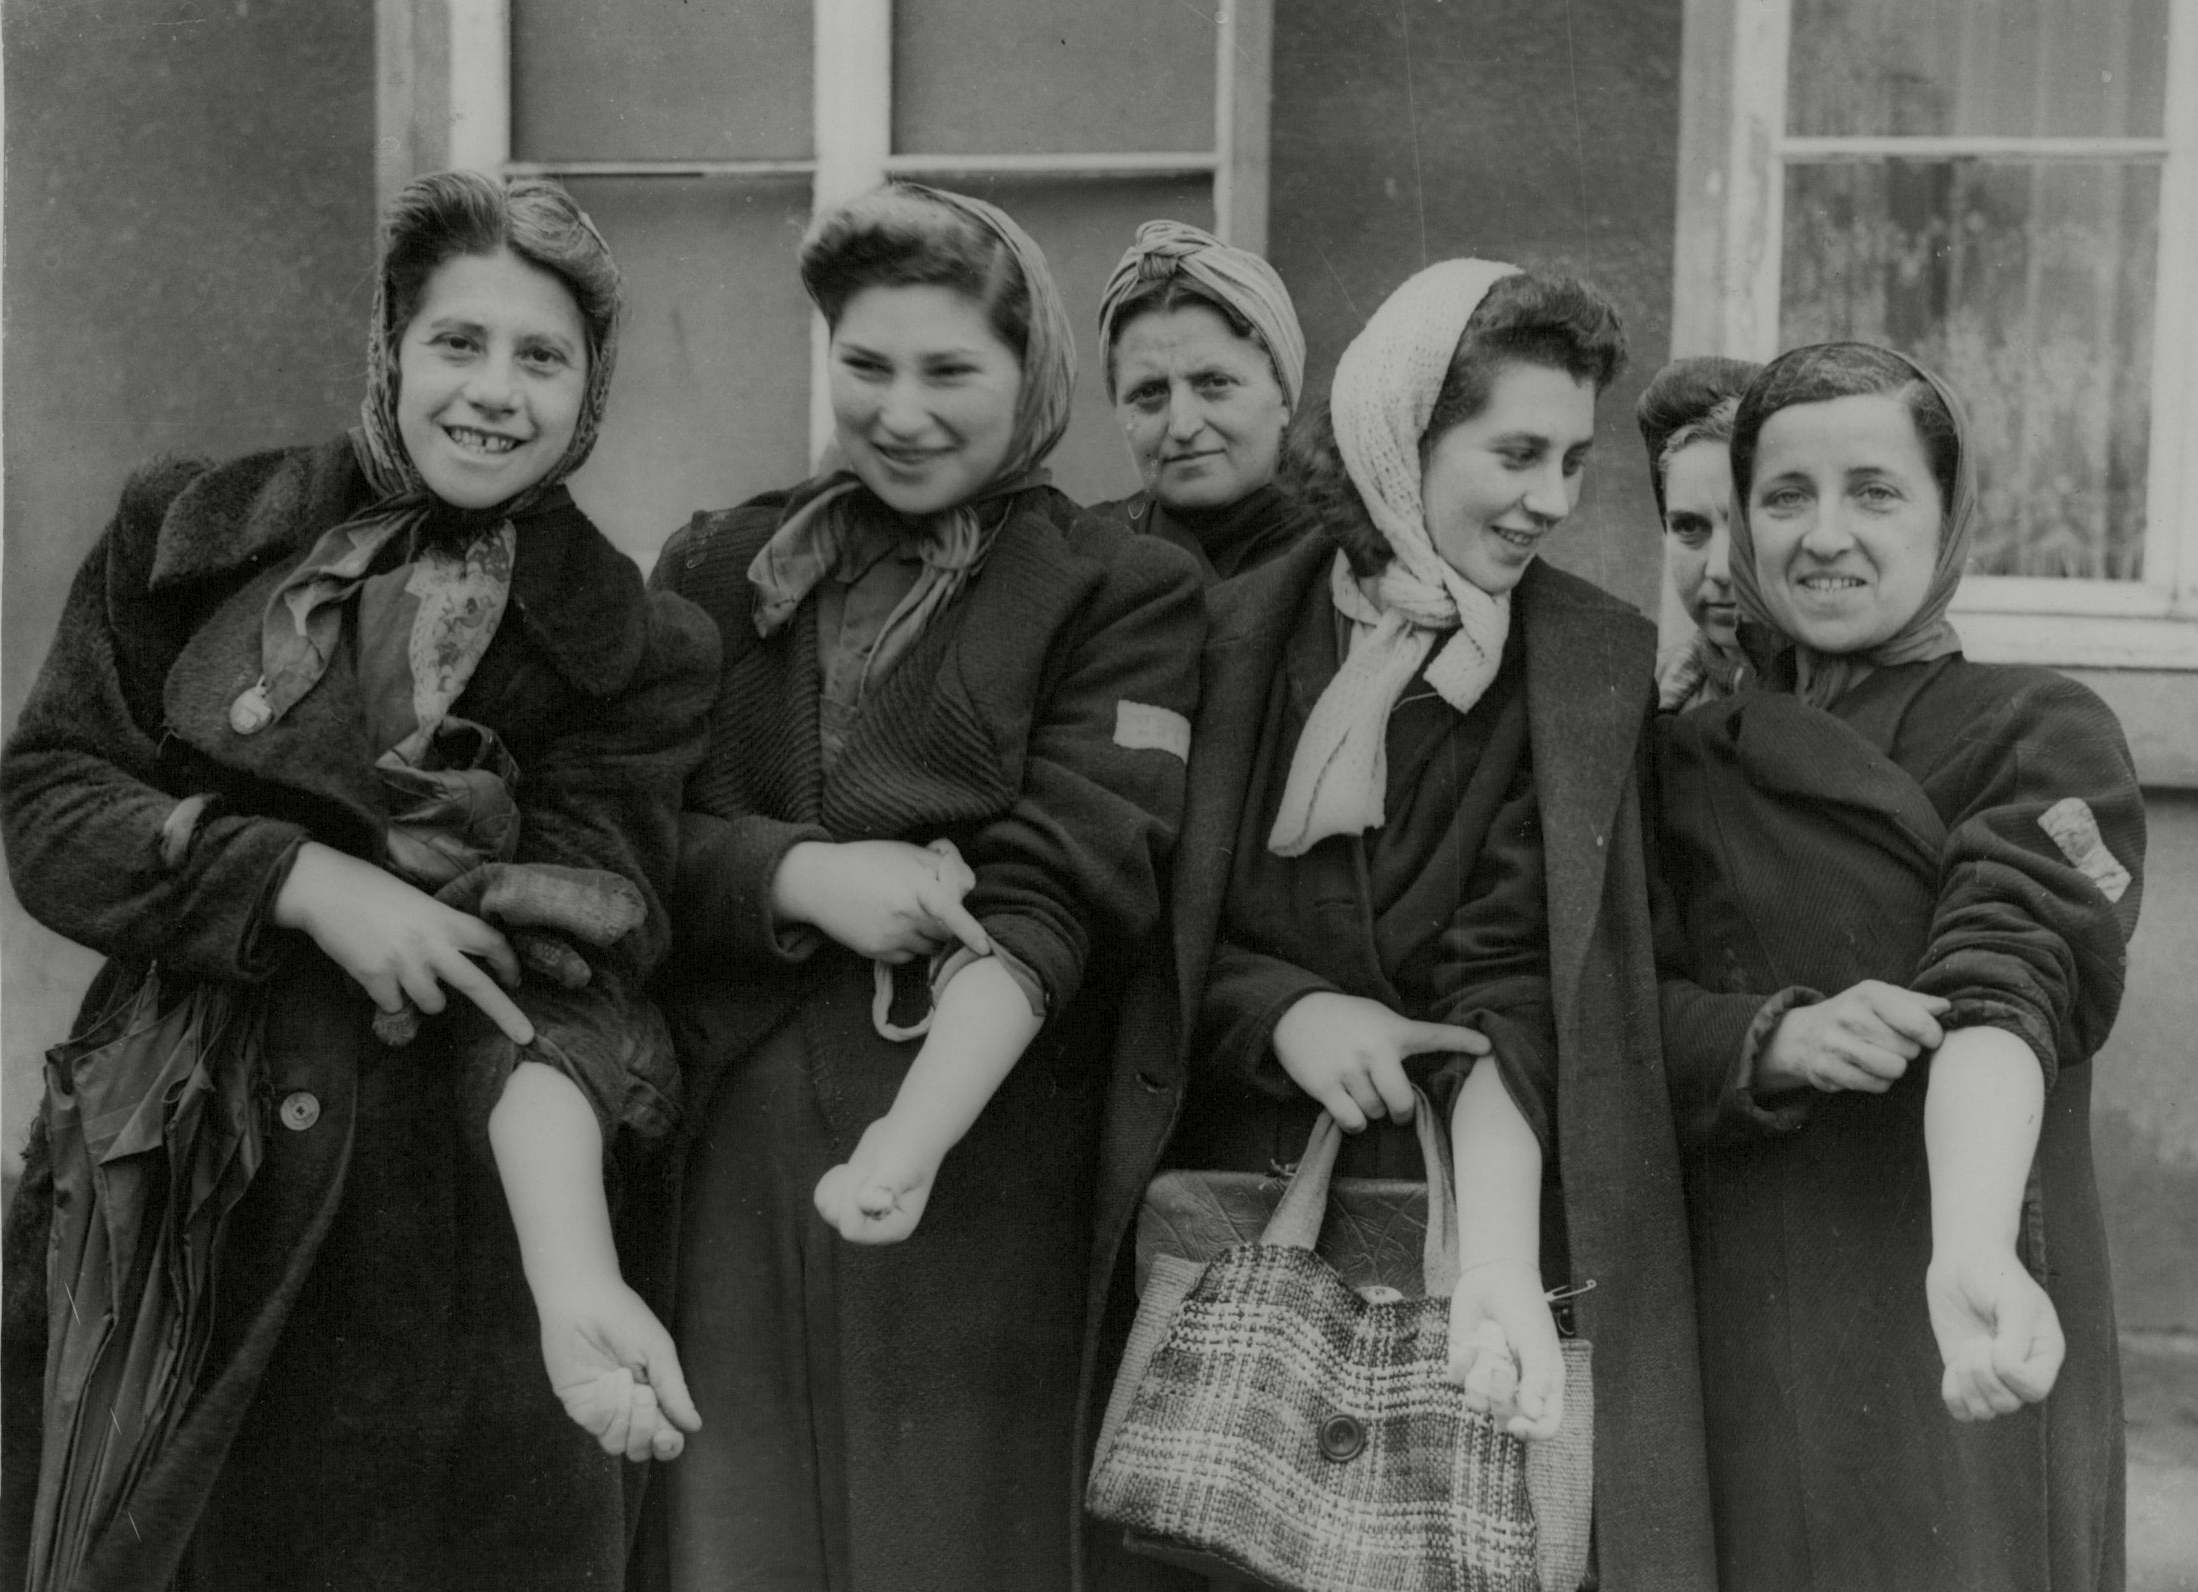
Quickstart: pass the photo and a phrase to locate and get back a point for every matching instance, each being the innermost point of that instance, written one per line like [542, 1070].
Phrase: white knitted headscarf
[1384, 391]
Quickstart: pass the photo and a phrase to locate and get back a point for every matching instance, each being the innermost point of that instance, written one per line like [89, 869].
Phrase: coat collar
[577, 595]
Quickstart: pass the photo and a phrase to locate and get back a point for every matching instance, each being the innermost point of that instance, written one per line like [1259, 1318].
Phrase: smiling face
[1495, 484]
[491, 373]
[1200, 406]
[1846, 516]
[1698, 537]
[923, 395]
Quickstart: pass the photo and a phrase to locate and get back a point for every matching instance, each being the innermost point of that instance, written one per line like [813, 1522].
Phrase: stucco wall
[190, 223]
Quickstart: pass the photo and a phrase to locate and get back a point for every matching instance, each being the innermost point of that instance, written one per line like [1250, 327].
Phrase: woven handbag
[1272, 1422]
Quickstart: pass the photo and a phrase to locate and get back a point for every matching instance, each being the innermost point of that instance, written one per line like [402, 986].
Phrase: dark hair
[1175, 293]
[1527, 318]
[1824, 371]
[447, 214]
[896, 237]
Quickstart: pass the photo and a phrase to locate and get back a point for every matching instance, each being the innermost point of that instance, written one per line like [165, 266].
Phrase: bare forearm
[1982, 1108]
[549, 1153]
[1499, 1173]
[982, 1026]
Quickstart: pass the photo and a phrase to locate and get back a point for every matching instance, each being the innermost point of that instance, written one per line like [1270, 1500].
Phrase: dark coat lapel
[1587, 669]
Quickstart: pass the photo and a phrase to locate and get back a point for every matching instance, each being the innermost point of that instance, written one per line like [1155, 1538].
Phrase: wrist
[793, 883]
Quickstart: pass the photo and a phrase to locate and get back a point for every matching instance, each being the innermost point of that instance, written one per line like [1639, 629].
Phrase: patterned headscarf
[953, 543]
[303, 619]
[1384, 392]
[1167, 250]
[1822, 677]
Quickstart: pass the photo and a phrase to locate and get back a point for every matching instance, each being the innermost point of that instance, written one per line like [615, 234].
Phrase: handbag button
[1342, 1436]
[300, 1111]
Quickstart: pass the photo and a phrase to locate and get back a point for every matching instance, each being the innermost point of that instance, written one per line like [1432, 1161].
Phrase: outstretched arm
[610, 1360]
[980, 1028]
[1998, 1333]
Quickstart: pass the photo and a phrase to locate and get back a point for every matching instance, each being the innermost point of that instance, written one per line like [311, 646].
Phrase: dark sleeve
[2041, 874]
[1491, 971]
[1081, 853]
[82, 804]
[720, 892]
[606, 794]
[1246, 994]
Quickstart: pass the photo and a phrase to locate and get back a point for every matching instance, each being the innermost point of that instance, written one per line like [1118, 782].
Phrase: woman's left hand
[878, 1194]
[1998, 1333]
[1503, 1347]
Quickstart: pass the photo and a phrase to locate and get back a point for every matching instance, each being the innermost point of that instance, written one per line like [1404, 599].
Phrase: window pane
[1031, 77]
[711, 400]
[2018, 69]
[2030, 289]
[660, 80]
[1083, 228]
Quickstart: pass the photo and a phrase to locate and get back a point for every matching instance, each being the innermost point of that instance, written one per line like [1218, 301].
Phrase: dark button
[1342, 1436]
[1152, 1083]
[299, 1111]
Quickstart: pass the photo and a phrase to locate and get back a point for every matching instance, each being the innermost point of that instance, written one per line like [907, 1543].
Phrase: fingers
[476, 986]
[477, 939]
[1421, 1038]
[1488, 1374]
[1339, 1104]
[1541, 1396]
[945, 909]
[1392, 1088]
[670, 1383]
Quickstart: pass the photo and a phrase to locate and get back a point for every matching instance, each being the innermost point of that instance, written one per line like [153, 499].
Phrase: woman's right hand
[1862, 1038]
[396, 942]
[884, 899]
[1348, 1053]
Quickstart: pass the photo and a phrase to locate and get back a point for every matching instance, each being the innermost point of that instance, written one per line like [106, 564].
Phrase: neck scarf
[1384, 390]
[303, 620]
[1821, 678]
[821, 523]
[1236, 277]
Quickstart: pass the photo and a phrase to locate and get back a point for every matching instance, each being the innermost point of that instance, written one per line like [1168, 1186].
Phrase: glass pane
[1083, 228]
[1032, 77]
[711, 400]
[2030, 289]
[2017, 69]
[660, 80]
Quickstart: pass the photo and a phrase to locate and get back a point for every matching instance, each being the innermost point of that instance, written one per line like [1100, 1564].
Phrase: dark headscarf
[1812, 375]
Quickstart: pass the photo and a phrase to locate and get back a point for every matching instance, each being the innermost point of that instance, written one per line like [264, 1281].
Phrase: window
[2010, 193]
[702, 136]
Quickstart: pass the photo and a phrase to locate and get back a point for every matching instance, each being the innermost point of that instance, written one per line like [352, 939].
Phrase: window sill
[2079, 641]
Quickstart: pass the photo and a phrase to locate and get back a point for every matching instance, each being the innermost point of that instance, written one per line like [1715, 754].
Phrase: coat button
[300, 1111]
[1342, 1436]
[252, 712]
[1152, 1083]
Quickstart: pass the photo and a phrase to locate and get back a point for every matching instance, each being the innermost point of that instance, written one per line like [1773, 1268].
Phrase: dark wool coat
[371, 1314]
[1226, 541]
[1974, 832]
[1588, 662]
[1041, 723]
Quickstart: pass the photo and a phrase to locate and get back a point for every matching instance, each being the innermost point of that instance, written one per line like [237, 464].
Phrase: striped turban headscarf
[1175, 251]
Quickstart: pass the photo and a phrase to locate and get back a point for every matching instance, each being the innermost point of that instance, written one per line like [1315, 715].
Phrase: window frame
[1734, 153]
[444, 101]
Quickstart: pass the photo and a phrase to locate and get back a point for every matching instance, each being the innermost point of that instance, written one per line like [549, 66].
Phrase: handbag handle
[1304, 1205]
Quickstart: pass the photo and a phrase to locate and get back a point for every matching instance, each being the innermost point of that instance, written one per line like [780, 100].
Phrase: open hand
[614, 1369]
[884, 899]
[1862, 1038]
[1998, 1333]
[398, 943]
[1348, 1053]
[1503, 1348]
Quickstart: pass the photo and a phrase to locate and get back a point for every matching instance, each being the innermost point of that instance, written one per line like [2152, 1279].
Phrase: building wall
[189, 215]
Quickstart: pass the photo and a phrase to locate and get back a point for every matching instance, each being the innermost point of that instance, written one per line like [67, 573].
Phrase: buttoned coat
[1589, 662]
[597, 688]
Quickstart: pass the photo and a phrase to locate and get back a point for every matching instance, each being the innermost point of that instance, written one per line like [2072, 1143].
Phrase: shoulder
[1271, 593]
[711, 552]
[2023, 708]
[583, 601]
[191, 519]
[1557, 596]
[1131, 513]
[1048, 518]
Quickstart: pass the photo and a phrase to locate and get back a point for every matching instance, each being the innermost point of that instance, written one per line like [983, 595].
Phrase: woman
[1412, 854]
[949, 742]
[1685, 415]
[315, 723]
[1205, 363]
[1884, 1080]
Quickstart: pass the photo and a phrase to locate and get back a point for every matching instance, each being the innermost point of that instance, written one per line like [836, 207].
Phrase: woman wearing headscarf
[1205, 364]
[945, 775]
[346, 736]
[1685, 415]
[1883, 1080]
[1412, 855]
